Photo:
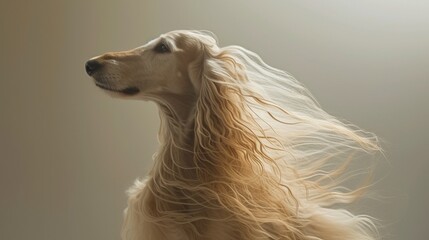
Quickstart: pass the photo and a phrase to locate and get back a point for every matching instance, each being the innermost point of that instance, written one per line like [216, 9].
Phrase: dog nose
[92, 66]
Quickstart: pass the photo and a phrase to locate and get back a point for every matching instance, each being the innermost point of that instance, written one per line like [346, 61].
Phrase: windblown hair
[256, 158]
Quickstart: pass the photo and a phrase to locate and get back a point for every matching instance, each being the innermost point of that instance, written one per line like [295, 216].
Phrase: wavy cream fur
[245, 150]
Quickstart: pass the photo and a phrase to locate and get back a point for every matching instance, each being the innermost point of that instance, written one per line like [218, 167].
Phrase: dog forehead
[179, 40]
[149, 44]
[152, 42]
[167, 38]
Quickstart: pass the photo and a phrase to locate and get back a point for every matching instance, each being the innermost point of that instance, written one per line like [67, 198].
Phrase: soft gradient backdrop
[68, 152]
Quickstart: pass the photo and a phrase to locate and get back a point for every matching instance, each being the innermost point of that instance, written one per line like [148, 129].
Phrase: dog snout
[92, 66]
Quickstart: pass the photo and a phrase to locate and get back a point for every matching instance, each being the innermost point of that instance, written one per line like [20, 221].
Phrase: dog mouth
[127, 91]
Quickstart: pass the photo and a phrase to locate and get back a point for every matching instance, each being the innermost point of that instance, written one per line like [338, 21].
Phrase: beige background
[68, 152]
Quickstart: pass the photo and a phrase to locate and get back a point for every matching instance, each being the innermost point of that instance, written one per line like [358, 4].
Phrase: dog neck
[176, 134]
[176, 114]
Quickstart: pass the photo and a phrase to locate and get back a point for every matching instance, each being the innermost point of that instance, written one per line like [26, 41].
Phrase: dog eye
[161, 48]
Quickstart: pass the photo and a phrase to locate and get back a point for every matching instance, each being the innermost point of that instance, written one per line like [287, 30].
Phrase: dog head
[168, 65]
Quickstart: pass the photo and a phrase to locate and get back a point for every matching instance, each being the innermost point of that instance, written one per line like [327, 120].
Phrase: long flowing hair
[259, 154]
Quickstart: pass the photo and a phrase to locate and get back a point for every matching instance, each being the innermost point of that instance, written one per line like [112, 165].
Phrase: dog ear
[222, 122]
[211, 68]
[207, 57]
[195, 70]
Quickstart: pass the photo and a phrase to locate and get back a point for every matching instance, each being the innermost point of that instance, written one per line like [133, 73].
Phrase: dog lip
[130, 91]
[127, 91]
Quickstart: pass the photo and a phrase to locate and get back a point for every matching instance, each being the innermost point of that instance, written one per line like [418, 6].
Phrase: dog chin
[128, 91]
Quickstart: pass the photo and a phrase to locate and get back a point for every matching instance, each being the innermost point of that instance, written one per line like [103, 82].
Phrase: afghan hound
[245, 151]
